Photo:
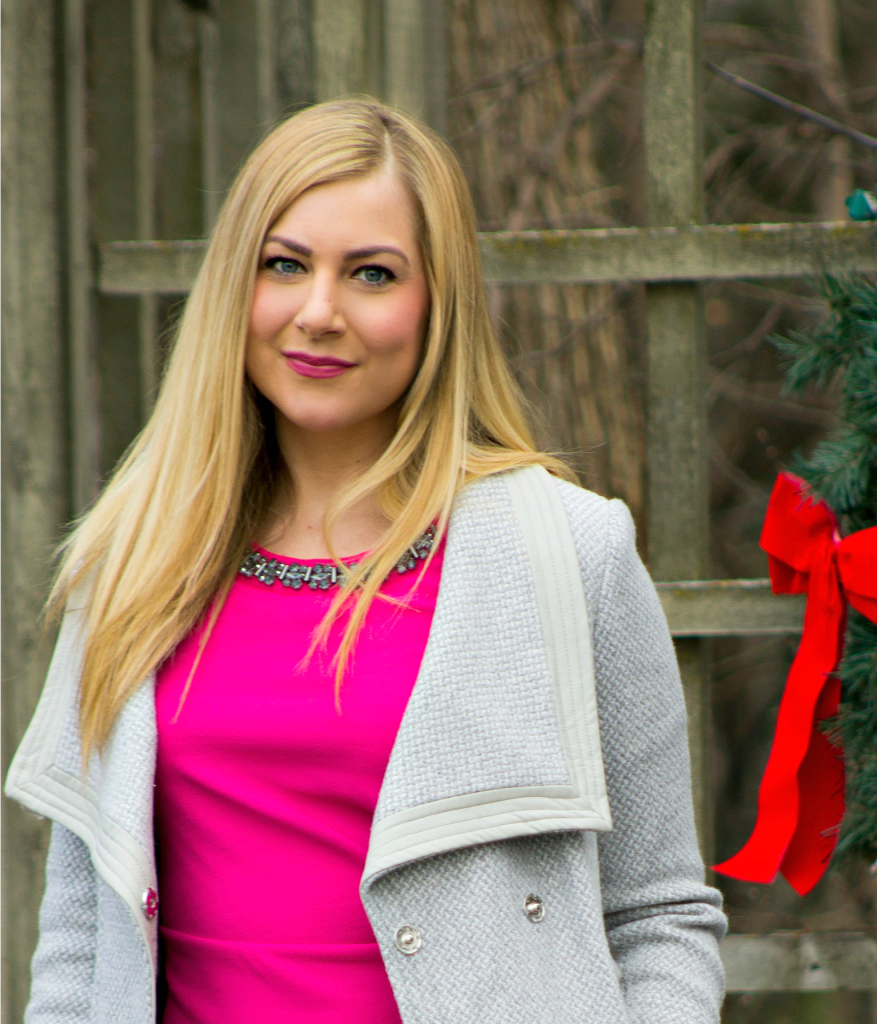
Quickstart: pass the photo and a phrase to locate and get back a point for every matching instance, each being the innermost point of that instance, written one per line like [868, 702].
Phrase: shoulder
[596, 522]
[604, 537]
[592, 517]
[602, 528]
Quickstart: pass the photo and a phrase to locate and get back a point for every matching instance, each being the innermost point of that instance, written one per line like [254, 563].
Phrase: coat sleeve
[662, 921]
[63, 964]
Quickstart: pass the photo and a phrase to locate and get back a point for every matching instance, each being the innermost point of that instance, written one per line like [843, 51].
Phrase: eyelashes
[283, 265]
[379, 275]
[372, 274]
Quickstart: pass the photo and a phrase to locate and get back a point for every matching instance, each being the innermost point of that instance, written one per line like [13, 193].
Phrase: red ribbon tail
[800, 841]
[801, 799]
[821, 778]
[800, 802]
[755, 862]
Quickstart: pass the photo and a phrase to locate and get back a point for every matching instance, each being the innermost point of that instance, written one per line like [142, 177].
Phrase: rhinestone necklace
[322, 575]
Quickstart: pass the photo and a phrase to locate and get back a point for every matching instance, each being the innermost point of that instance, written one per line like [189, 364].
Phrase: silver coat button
[408, 940]
[534, 908]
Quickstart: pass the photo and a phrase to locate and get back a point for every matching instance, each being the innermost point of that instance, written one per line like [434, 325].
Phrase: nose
[320, 315]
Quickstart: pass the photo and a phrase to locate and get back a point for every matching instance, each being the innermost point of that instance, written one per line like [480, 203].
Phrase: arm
[662, 921]
[63, 964]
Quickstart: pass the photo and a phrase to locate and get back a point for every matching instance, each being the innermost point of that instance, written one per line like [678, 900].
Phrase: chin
[324, 421]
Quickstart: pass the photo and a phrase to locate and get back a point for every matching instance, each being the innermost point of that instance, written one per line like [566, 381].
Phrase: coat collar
[110, 807]
[493, 743]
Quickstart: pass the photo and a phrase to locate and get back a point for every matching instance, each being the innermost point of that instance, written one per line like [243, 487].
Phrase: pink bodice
[264, 800]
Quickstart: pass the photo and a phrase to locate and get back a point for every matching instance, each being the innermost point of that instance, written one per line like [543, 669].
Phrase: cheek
[271, 311]
[398, 329]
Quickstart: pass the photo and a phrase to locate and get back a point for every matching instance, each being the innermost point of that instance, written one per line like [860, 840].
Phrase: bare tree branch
[541, 162]
[794, 108]
[750, 343]
[748, 392]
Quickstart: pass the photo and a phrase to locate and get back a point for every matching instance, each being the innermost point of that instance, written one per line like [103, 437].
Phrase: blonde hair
[161, 546]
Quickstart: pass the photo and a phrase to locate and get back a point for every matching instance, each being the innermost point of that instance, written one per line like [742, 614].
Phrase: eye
[375, 275]
[283, 265]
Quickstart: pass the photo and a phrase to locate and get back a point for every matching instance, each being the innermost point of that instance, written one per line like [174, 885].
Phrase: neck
[321, 465]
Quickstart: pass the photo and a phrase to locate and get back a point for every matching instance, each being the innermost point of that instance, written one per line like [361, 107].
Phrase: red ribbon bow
[801, 800]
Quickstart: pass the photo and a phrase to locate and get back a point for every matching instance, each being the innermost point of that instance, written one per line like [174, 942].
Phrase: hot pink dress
[264, 801]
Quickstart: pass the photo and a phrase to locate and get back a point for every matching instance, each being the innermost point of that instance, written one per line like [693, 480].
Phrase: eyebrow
[354, 254]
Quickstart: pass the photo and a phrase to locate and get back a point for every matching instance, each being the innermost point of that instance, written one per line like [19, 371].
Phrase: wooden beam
[800, 962]
[119, 197]
[211, 162]
[144, 187]
[687, 253]
[729, 608]
[348, 48]
[676, 436]
[83, 363]
[691, 252]
[179, 108]
[414, 66]
[678, 511]
[295, 78]
[265, 56]
[130, 268]
[35, 429]
[241, 85]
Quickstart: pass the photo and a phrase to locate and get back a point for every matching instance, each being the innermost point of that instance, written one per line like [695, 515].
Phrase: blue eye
[283, 265]
[375, 275]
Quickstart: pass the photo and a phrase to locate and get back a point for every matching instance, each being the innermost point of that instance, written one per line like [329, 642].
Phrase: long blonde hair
[162, 544]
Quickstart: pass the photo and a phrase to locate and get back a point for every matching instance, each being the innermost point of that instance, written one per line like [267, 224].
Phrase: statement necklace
[322, 575]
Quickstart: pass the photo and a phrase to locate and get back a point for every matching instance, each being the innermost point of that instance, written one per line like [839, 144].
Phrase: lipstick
[320, 366]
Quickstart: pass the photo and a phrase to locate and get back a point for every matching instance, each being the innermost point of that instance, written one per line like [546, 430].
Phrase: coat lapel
[480, 754]
[110, 807]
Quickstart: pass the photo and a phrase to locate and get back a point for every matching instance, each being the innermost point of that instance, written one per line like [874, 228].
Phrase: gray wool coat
[494, 794]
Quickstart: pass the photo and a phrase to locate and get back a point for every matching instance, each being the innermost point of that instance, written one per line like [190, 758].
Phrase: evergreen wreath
[842, 471]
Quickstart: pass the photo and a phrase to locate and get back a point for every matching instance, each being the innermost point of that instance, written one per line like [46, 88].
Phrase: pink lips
[316, 366]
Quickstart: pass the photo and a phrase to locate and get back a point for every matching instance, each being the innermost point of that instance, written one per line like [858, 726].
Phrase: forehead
[354, 214]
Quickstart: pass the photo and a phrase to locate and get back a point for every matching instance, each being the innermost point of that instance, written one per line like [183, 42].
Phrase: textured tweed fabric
[651, 955]
[482, 717]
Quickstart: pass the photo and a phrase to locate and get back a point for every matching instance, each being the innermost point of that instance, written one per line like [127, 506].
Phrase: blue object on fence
[862, 205]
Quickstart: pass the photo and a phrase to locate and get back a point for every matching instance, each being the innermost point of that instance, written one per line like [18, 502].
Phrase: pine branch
[842, 470]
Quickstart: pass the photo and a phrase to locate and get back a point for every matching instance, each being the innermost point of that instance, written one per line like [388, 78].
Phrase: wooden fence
[103, 242]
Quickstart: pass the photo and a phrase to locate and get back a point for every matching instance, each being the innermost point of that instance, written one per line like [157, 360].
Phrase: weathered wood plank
[414, 71]
[265, 56]
[211, 160]
[729, 608]
[676, 435]
[680, 252]
[678, 537]
[119, 164]
[83, 365]
[672, 121]
[295, 84]
[35, 429]
[178, 162]
[130, 268]
[687, 253]
[244, 104]
[144, 187]
[348, 47]
[179, 152]
[238, 90]
[800, 962]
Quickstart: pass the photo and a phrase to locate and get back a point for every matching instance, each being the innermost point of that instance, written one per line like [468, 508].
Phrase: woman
[333, 475]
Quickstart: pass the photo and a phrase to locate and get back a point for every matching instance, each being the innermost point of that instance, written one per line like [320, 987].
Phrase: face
[340, 307]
